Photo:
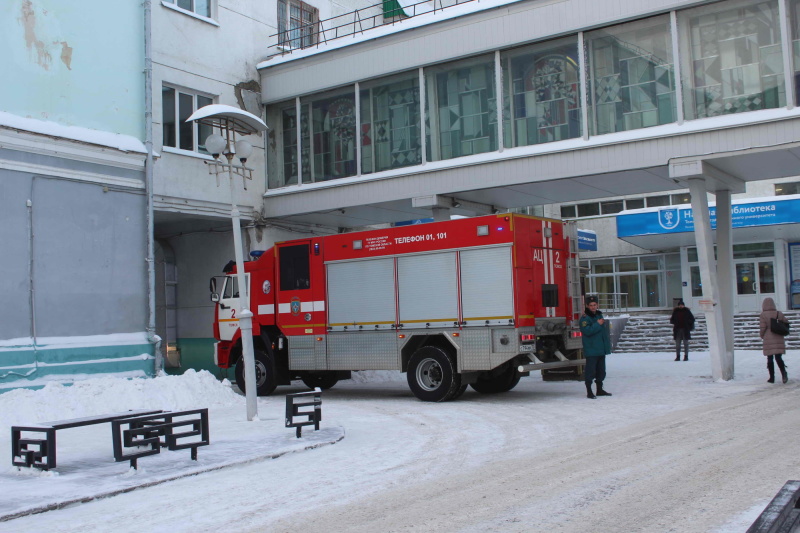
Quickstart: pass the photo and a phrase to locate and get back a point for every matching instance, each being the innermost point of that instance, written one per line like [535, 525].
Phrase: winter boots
[600, 391]
[781, 367]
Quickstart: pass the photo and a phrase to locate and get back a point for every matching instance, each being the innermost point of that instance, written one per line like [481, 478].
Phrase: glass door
[755, 280]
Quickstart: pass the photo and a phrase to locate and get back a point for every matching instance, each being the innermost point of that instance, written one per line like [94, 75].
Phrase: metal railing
[611, 302]
[353, 23]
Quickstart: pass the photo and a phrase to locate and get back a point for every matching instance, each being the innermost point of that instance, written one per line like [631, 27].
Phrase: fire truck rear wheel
[265, 374]
[432, 375]
[323, 380]
[503, 382]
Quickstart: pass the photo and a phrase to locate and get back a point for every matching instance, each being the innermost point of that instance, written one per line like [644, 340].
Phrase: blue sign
[587, 240]
[679, 219]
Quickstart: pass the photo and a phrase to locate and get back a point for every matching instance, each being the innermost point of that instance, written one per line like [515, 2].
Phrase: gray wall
[86, 243]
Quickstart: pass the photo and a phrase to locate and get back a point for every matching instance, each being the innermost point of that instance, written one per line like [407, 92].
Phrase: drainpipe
[152, 338]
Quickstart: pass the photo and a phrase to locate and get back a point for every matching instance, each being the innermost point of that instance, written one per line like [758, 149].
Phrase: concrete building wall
[74, 63]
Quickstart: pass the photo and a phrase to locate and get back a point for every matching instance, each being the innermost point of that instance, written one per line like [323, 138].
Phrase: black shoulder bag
[778, 326]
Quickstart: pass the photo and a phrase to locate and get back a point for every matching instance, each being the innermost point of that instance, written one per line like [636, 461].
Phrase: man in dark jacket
[682, 321]
[596, 345]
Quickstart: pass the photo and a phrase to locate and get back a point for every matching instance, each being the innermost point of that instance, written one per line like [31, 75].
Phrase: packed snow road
[670, 451]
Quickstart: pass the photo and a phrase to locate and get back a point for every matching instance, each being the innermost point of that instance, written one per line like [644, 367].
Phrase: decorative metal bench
[303, 404]
[38, 452]
[157, 431]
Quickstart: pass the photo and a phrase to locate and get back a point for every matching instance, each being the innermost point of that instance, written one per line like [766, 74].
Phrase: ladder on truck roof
[574, 291]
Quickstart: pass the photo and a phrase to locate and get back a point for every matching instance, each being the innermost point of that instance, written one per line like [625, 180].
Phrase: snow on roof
[125, 143]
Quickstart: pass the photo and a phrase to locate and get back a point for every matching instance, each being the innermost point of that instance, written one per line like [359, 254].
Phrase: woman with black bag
[774, 344]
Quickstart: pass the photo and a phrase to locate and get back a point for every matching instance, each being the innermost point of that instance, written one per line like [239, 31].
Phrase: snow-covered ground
[670, 451]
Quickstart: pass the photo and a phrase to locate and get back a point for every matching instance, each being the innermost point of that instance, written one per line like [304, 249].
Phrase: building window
[632, 76]
[328, 132]
[634, 203]
[176, 106]
[298, 24]
[736, 59]
[684, 198]
[568, 211]
[609, 208]
[783, 189]
[200, 7]
[588, 210]
[461, 118]
[795, 21]
[390, 124]
[542, 100]
[658, 201]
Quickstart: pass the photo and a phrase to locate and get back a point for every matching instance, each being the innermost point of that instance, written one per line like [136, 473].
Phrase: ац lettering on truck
[479, 301]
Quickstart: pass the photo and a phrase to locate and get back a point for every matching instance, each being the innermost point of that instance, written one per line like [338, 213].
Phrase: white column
[725, 275]
[705, 255]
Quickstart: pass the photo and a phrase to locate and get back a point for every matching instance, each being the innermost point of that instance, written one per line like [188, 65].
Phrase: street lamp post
[232, 121]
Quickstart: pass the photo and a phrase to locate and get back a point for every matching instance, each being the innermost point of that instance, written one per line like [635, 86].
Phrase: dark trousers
[595, 369]
[682, 336]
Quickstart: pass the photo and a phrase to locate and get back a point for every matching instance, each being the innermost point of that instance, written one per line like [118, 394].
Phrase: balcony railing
[354, 23]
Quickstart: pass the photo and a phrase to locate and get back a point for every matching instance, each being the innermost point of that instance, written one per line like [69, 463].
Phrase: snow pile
[112, 394]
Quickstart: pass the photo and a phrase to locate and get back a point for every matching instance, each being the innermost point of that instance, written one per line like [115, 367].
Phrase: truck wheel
[265, 374]
[323, 380]
[432, 375]
[502, 382]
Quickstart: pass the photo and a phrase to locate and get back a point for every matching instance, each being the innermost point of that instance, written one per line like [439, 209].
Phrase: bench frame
[298, 404]
[157, 431]
[44, 454]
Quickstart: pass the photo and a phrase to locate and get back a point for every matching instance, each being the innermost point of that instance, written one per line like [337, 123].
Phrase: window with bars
[298, 24]
[176, 106]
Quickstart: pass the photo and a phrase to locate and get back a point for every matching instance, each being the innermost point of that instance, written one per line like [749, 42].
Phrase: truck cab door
[301, 293]
[228, 308]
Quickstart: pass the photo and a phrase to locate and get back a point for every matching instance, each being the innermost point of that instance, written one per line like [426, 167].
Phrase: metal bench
[303, 409]
[40, 452]
[782, 513]
[157, 431]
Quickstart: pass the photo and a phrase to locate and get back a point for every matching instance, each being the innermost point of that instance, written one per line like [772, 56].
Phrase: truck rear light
[401, 336]
[455, 334]
[527, 338]
[576, 334]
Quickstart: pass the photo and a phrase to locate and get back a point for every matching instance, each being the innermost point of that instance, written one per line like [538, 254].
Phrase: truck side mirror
[212, 285]
[214, 297]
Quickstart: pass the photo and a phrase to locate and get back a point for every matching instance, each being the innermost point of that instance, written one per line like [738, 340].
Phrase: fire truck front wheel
[265, 374]
[432, 375]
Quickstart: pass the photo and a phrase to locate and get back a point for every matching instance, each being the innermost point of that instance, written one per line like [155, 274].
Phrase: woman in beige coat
[774, 344]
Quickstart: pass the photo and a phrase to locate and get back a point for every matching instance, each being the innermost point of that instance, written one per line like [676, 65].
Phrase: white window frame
[197, 146]
[208, 17]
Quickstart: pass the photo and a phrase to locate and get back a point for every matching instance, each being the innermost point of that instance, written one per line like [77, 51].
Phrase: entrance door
[755, 280]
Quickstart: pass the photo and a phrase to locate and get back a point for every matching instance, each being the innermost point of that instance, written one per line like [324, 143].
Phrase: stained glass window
[632, 76]
[542, 93]
[736, 59]
[462, 109]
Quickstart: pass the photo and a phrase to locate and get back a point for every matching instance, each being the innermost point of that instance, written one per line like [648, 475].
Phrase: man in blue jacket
[596, 345]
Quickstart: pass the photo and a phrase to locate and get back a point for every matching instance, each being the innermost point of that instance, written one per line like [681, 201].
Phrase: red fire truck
[477, 301]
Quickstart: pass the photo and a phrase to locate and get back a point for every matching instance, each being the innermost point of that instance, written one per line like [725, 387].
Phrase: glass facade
[632, 76]
[736, 64]
[636, 281]
[462, 109]
[390, 124]
[542, 93]
[731, 60]
[329, 145]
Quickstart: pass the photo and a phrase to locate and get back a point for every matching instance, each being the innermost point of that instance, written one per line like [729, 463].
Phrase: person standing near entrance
[596, 345]
[682, 321]
[774, 345]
